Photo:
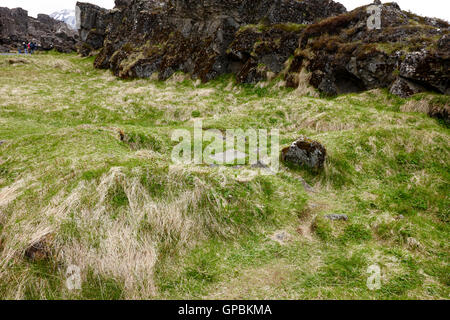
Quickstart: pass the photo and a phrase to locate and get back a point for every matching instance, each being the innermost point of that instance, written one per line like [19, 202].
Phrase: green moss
[357, 233]
[262, 27]
[322, 228]
[290, 27]
[196, 114]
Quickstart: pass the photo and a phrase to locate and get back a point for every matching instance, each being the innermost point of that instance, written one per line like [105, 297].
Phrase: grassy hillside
[139, 227]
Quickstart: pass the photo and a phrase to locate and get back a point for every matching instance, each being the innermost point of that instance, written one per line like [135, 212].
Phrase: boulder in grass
[305, 152]
[405, 88]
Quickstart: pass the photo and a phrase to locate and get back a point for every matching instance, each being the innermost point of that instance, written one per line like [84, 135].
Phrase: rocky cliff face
[408, 54]
[313, 41]
[17, 27]
[204, 38]
[92, 22]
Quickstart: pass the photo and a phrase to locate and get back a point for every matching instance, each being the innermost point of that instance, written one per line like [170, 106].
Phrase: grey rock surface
[337, 217]
[305, 152]
[204, 38]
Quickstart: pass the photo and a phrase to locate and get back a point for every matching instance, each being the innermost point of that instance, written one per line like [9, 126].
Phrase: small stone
[305, 151]
[2, 142]
[281, 237]
[413, 243]
[337, 217]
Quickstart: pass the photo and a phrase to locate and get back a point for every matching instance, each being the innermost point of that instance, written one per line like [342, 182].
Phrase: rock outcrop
[261, 51]
[17, 27]
[205, 38]
[92, 22]
[313, 42]
[408, 53]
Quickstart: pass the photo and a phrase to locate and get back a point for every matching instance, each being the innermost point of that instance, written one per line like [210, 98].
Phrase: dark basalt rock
[92, 22]
[205, 38]
[305, 152]
[254, 39]
[404, 88]
[259, 50]
[17, 27]
[409, 53]
[444, 43]
[431, 69]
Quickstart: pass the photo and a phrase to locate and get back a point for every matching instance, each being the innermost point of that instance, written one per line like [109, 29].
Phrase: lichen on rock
[408, 53]
[204, 38]
[257, 40]
[305, 152]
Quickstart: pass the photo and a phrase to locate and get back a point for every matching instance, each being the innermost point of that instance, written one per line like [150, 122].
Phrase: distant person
[29, 47]
[25, 48]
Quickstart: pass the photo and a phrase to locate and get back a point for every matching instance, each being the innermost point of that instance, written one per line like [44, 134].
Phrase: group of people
[28, 47]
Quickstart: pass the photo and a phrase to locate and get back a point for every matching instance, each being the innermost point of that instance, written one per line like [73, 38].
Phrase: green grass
[139, 227]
